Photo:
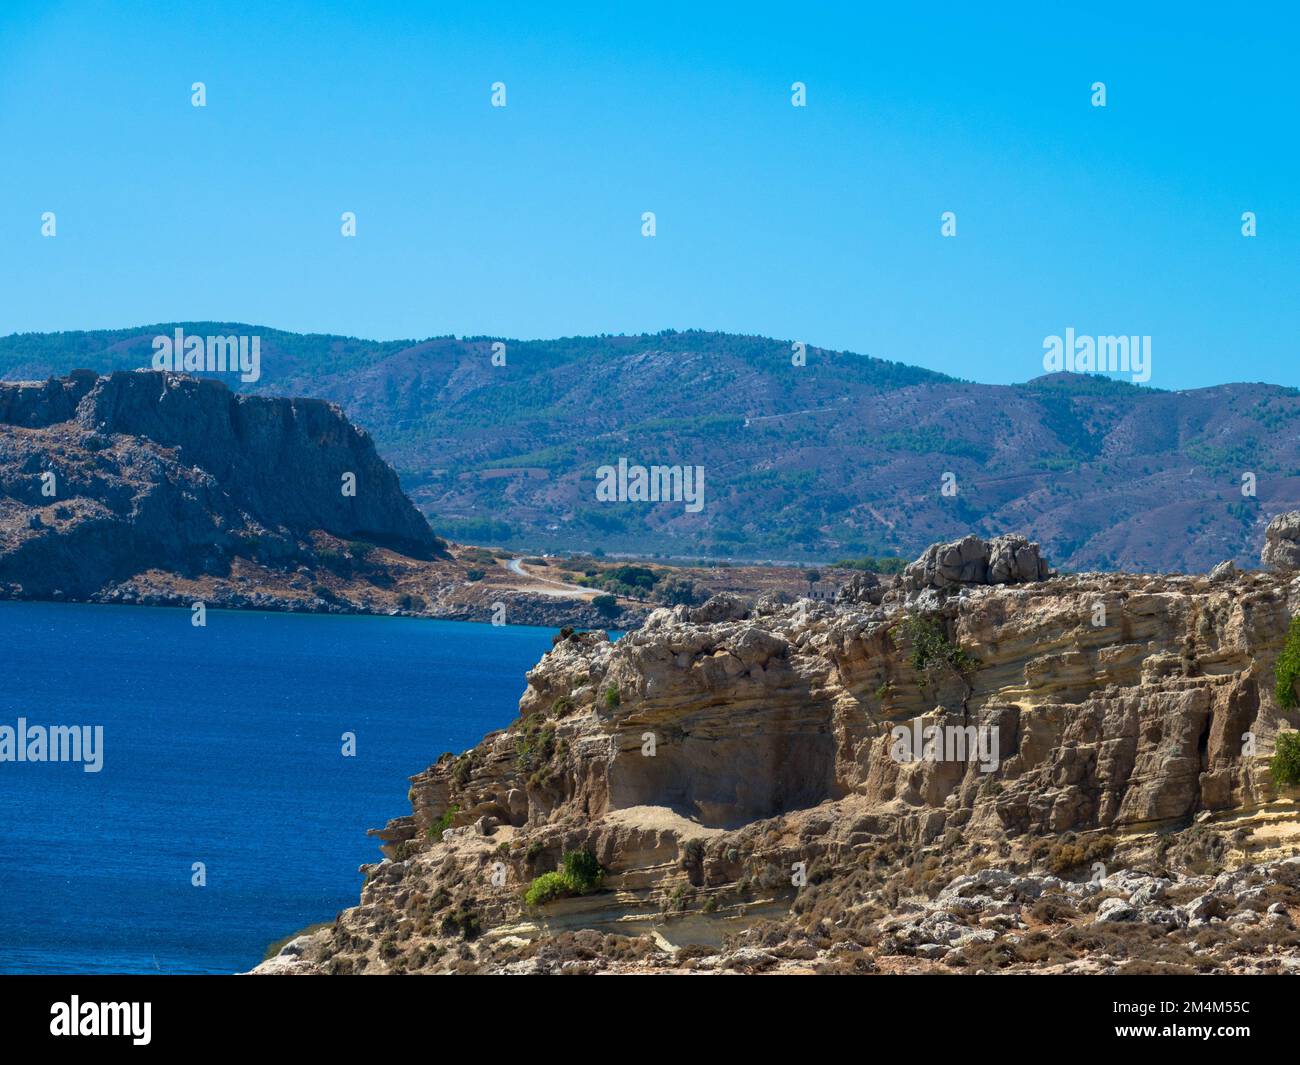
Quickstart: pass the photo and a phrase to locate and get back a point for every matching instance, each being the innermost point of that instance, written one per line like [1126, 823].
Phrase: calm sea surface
[222, 745]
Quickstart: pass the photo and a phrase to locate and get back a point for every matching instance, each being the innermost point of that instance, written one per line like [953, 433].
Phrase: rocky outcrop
[1282, 542]
[863, 589]
[105, 477]
[971, 560]
[747, 780]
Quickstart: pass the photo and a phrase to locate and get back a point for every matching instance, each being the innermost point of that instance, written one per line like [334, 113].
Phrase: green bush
[579, 874]
[443, 823]
[677, 591]
[546, 888]
[581, 871]
[607, 605]
[1285, 764]
[534, 742]
[611, 698]
[1288, 666]
[931, 649]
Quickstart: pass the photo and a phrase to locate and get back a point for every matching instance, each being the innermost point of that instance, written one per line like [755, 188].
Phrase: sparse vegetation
[930, 649]
[280, 944]
[443, 823]
[546, 888]
[1285, 763]
[1287, 670]
[1070, 854]
[535, 742]
[579, 874]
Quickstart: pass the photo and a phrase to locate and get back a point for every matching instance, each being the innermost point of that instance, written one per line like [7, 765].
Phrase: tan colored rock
[702, 761]
[1007, 559]
[1282, 542]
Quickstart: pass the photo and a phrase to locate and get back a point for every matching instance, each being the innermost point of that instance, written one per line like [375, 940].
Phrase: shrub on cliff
[579, 874]
[443, 823]
[534, 742]
[1285, 763]
[546, 888]
[582, 871]
[931, 650]
[1287, 670]
[1069, 852]
[606, 605]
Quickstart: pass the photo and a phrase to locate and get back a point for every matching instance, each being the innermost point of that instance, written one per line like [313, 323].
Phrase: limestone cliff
[103, 477]
[735, 771]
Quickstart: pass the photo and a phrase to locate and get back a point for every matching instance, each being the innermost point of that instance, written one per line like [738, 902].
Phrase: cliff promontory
[982, 768]
[106, 477]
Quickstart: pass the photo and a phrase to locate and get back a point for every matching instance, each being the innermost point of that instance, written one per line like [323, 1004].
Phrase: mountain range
[810, 457]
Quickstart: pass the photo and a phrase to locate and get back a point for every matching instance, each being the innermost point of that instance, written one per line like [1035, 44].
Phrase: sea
[241, 764]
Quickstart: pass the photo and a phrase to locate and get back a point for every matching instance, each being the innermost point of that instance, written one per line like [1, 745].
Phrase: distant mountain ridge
[845, 455]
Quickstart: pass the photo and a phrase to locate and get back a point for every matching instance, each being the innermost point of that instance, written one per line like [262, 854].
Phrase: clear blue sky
[820, 224]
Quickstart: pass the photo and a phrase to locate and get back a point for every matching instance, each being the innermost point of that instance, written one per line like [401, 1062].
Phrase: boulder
[1010, 559]
[862, 588]
[1224, 571]
[1115, 910]
[1282, 542]
[725, 606]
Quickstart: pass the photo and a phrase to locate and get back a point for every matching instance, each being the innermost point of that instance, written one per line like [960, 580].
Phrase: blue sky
[820, 224]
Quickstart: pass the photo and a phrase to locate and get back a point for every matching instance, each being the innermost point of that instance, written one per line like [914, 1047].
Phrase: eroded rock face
[862, 588]
[1007, 559]
[1282, 542]
[169, 471]
[704, 757]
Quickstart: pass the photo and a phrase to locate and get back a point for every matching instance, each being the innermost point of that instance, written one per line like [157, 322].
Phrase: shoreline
[275, 606]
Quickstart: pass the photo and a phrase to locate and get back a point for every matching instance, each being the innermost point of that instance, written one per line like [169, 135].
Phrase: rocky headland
[726, 790]
[167, 489]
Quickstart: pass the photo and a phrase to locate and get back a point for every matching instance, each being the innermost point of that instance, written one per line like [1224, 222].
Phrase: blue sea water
[222, 745]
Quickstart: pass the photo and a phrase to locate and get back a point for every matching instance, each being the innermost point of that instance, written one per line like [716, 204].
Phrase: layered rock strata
[735, 771]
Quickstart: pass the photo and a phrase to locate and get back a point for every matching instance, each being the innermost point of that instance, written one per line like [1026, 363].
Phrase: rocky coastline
[722, 791]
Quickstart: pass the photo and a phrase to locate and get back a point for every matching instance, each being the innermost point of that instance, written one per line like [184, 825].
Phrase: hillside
[171, 489]
[840, 457]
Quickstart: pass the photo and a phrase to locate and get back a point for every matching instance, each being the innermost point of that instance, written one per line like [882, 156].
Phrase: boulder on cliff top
[725, 606]
[1282, 542]
[862, 588]
[1010, 559]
